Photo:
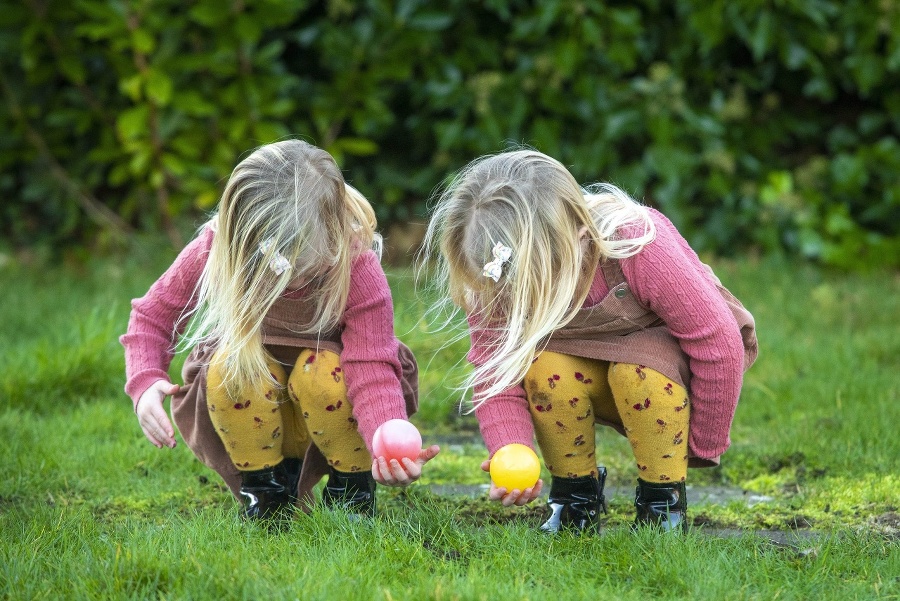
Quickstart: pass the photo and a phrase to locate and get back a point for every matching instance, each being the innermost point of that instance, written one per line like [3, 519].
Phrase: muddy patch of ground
[797, 532]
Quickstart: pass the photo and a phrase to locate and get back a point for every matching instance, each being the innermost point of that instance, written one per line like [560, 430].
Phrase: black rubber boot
[265, 493]
[576, 503]
[292, 467]
[354, 491]
[661, 504]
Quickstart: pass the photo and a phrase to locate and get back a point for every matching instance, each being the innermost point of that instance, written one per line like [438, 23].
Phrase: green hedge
[752, 124]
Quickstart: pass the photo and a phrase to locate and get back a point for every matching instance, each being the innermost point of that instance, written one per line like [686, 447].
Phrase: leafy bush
[751, 124]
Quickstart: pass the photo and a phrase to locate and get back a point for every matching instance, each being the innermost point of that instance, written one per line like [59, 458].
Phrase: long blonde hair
[287, 202]
[558, 233]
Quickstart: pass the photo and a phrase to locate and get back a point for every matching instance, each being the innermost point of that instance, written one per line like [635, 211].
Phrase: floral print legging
[260, 429]
[566, 394]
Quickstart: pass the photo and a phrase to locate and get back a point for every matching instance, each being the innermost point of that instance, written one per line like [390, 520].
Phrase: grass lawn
[90, 510]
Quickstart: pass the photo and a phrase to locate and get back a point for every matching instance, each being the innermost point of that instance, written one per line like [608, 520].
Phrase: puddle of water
[798, 539]
[696, 494]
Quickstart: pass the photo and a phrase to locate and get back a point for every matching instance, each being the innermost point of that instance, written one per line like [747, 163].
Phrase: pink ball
[396, 439]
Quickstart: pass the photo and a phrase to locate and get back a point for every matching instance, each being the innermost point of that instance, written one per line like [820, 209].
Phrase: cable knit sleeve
[155, 322]
[668, 277]
[503, 419]
[369, 358]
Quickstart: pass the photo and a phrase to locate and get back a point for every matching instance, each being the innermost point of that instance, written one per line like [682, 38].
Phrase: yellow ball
[515, 466]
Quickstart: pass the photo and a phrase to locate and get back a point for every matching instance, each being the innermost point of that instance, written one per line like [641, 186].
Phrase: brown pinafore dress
[620, 329]
[190, 413]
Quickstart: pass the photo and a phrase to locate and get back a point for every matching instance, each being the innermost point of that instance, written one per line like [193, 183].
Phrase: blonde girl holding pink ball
[294, 364]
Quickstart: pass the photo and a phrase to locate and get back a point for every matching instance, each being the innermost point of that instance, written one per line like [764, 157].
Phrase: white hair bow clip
[494, 269]
[278, 263]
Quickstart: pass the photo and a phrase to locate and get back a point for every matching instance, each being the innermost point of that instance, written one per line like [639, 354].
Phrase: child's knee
[316, 386]
[215, 373]
[316, 371]
[215, 376]
[545, 372]
[278, 372]
[633, 375]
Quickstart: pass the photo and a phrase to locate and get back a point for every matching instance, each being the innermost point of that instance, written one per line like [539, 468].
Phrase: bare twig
[93, 208]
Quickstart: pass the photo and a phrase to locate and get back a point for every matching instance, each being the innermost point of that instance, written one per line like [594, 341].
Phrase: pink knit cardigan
[369, 358]
[667, 277]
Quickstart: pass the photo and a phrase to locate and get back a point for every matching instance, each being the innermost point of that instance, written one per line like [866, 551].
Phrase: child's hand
[395, 473]
[515, 496]
[152, 417]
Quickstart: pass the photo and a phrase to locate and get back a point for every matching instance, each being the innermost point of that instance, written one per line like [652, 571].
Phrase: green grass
[90, 510]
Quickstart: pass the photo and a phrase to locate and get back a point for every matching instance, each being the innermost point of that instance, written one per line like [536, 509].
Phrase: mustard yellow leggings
[566, 394]
[308, 407]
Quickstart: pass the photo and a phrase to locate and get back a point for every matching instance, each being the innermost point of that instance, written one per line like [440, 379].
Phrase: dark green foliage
[750, 123]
